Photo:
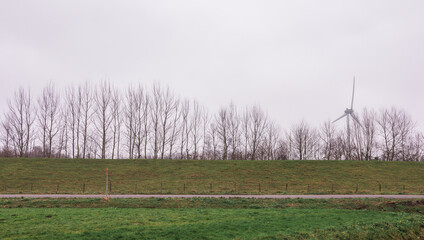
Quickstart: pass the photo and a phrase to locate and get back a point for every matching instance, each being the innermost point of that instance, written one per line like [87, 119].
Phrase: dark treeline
[100, 121]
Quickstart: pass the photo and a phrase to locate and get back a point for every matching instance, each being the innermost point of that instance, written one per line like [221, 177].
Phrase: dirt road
[208, 196]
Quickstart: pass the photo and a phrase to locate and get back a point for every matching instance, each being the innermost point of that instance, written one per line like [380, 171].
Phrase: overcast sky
[296, 59]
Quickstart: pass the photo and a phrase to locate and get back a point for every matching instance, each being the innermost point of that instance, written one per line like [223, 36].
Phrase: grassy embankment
[206, 177]
[211, 219]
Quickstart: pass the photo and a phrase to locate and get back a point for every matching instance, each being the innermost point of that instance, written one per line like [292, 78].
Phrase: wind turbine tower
[349, 113]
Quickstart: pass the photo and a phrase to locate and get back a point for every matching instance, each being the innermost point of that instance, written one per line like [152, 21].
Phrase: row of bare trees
[100, 121]
[388, 135]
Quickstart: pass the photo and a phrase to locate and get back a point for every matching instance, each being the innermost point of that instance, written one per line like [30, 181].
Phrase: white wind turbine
[349, 113]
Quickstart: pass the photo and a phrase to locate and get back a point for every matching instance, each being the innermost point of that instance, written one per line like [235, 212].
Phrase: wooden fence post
[184, 188]
[57, 188]
[287, 185]
[83, 187]
[379, 187]
[31, 187]
[211, 187]
[259, 187]
[356, 190]
[308, 187]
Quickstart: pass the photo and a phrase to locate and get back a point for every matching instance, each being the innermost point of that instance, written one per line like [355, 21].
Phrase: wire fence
[204, 187]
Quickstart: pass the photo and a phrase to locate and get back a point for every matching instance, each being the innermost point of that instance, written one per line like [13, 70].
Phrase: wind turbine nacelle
[348, 111]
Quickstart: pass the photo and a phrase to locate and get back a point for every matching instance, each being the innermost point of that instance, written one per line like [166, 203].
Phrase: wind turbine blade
[353, 93]
[344, 115]
[356, 119]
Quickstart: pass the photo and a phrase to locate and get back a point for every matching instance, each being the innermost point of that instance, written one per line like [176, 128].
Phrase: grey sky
[294, 58]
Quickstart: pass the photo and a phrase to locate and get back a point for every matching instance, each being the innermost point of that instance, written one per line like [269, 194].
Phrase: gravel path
[208, 196]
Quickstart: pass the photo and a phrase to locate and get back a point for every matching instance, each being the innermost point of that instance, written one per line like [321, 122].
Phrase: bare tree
[256, 129]
[303, 138]
[155, 115]
[272, 139]
[62, 144]
[5, 133]
[20, 119]
[79, 99]
[395, 128]
[369, 133]
[364, 136]
[206, 138]
[169, 104]
[175, 127]
[137, 121]
[103, 116]
[138, 133]
[47, 115]
[246, 121]
[146, 122]
[185, 130]
[86, 92]
[42, 116]
[214, 140]
[282, 151]
[327, 135]
[195, 126]
[221, 125]
[234, 131]
[74, 110]
[417, 151]
[116, 122]
[407, 127]
[130, 110]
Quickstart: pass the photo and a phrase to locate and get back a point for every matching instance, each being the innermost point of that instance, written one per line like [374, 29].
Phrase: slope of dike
[87, 176]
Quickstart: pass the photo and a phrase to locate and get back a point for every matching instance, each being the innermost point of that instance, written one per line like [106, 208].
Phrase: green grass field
[210, 177]
[210, 219]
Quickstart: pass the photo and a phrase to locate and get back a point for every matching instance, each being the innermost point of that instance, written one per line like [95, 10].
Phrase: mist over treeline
[100, 121]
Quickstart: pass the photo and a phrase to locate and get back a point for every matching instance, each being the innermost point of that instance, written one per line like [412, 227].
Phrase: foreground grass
[195, 223]
[386, 205]
[205, 177]
[201, 218]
